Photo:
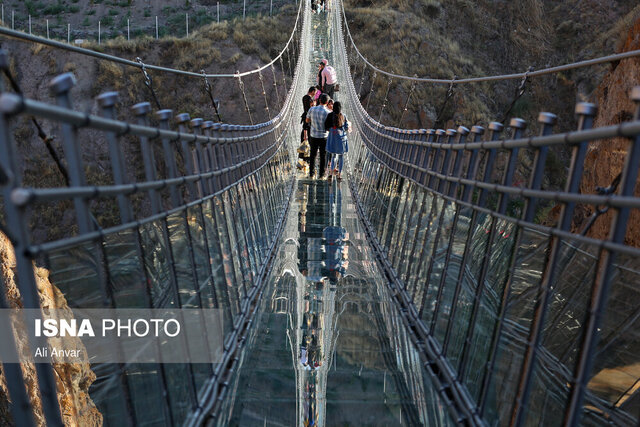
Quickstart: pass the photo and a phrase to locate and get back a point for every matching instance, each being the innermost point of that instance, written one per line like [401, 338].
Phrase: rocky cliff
[72, 380]
[605, 159]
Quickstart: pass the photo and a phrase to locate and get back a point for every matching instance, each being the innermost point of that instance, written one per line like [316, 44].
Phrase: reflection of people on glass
[335, 237]
[310, 350]
[310, 407]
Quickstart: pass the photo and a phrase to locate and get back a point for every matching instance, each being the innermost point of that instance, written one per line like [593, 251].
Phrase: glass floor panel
[327, 346]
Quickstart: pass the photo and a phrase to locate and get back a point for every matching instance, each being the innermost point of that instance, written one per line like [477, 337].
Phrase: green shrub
[34, 8]
[201, 18]
[53, 9]
[113, 12]
[123, 20]
[176, 22]
[86, 22]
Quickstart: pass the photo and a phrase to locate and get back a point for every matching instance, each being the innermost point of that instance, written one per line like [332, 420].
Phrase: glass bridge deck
[327, 347]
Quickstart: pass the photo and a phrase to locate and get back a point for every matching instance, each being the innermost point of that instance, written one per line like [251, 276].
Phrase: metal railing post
[199, 161]
[539, 161]
[169, 157]
[518, 126]
[586, 113]
[187, 154]
[107, 102]
[547, 120]
[60, 87]
[140, 111]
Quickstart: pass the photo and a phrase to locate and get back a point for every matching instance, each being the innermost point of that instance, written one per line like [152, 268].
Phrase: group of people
[324, 125]
[318, 6]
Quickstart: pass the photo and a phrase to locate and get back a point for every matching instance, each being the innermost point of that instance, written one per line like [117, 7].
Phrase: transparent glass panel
[221, 293]
[158, 264]
[615, 377]
[201, 257]
[126, 276]
[183, 260]
[512, 342]
[442, 230]
[422, 276]
[416, 248]
[108, 394]
[405, 205]
[75, 272]
[452, 273]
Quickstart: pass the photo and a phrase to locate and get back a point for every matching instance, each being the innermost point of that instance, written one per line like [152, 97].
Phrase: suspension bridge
[421, 290]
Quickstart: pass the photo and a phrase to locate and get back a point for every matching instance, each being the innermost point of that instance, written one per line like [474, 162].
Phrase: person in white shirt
[327, 78]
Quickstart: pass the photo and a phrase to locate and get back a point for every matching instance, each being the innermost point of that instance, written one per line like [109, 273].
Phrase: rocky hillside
[604, 161]
[72, 379]
[81, 17]
[467, 38]
[216, 48]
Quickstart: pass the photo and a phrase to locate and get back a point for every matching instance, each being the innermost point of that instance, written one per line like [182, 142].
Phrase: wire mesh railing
[519, 321]
[185, 215]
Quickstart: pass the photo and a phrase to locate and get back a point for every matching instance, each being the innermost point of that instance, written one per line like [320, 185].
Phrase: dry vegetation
[216, 48]
[468, 38]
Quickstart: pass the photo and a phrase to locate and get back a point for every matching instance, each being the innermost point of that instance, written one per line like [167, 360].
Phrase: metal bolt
[547, 118]
[62, 83]
[586, 109]
[463, 130]
[164, 114]
[451, 132]
[478, 130]
[196, 123]
[141, 108]
[207, 124]
[107, 99]
[517, 123]
[635, 93]
[182, 118]
[496, 126]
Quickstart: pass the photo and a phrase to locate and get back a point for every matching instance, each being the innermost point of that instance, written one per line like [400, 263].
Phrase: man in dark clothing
[307, 102]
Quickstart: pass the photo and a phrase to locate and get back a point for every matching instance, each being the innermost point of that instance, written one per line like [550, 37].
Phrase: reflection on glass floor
[327, 346]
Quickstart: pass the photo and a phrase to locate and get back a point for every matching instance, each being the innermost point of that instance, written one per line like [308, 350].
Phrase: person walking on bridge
[337, 143]
[318, 136]
[327, 78]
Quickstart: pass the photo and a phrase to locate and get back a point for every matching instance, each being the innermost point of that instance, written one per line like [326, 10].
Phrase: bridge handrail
[482, 175]
[499, 77]
[113, 58]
